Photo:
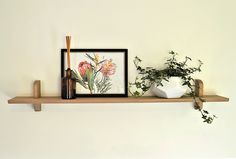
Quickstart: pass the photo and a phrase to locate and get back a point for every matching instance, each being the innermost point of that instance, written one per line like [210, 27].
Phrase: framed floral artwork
[98, 72]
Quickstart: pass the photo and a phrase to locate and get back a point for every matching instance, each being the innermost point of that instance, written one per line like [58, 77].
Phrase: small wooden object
[37, 94]
[199, 93]
[68, 40]
[37, 89]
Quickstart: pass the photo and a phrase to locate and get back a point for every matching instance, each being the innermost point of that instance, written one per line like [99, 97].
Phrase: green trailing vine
[147, 76]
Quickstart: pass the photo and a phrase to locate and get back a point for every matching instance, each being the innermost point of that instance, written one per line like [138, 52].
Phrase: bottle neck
[68, 73]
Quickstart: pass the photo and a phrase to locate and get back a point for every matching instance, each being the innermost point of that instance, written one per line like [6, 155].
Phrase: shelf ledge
[37, 100]
[147, 99]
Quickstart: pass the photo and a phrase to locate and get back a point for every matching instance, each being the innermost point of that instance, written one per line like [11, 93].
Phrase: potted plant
[169, 82]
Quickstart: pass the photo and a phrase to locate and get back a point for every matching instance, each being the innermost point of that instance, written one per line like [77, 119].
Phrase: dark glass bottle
[68, 86]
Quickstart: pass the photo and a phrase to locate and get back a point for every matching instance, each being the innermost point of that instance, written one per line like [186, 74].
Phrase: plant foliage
[147, 76]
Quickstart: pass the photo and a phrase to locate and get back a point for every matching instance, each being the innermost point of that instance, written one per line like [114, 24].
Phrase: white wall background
[31, 36]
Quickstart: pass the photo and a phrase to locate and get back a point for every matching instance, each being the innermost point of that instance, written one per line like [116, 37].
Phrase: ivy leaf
[138, 59]
[138, 84]
[136, 94]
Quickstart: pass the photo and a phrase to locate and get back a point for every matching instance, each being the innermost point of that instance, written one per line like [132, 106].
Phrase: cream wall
[31, 36]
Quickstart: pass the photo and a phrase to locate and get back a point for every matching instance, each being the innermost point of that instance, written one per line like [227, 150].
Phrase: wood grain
[198, 93]
[199, 88]
[37, 89]
[37, 94]
[68, 40]
[58, 100]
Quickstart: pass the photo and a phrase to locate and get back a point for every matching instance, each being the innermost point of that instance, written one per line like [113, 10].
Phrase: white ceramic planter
[170, 89]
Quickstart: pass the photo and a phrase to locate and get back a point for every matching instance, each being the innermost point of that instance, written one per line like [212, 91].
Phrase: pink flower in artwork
[83, 67]
[108, 68]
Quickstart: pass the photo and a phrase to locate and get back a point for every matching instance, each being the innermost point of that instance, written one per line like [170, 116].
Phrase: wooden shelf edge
[215, 98]
[146, 99]
[37, 100]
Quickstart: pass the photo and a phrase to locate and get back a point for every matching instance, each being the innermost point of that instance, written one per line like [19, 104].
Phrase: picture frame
[98, 72]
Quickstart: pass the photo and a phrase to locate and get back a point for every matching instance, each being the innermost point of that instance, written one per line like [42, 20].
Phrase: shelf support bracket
[37, 94]
[199, 86]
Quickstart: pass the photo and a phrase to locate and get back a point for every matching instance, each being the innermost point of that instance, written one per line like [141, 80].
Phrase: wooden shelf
[37, 100]
[148, 99]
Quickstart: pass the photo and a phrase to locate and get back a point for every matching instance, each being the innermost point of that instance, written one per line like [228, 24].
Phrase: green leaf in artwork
[90, 57]
[101, 62]
[90, 78]
[103, 85]
[78, 79]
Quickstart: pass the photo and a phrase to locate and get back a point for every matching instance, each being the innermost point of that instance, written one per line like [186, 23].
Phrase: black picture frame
[113, 51]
